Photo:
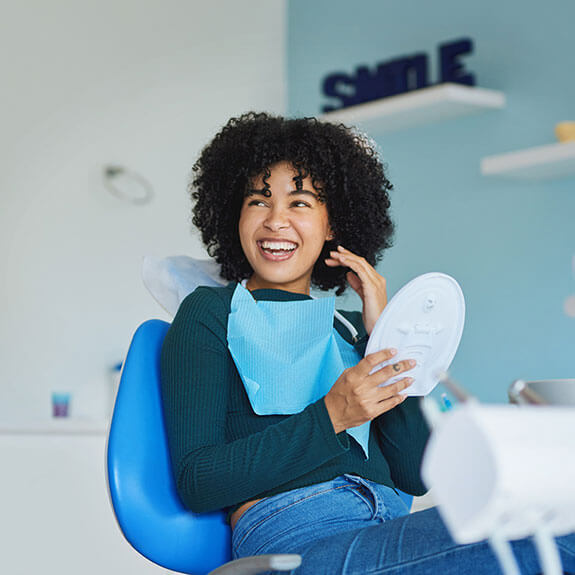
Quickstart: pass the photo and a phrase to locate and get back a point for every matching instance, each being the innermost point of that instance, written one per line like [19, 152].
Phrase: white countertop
[56, 426]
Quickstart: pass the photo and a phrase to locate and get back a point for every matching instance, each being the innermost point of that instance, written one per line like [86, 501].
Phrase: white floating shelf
[425, 106]
[63, 426]
[540, 163]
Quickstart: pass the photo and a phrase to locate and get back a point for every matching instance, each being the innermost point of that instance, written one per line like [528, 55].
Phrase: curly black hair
[344, 169]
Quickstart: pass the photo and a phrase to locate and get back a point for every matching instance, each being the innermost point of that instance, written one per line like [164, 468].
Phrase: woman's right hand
[356, 397]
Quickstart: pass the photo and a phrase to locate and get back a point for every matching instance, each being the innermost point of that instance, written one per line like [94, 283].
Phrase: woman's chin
[280, 280]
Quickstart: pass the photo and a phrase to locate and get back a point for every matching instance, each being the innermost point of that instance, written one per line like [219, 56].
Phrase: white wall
[140, 83]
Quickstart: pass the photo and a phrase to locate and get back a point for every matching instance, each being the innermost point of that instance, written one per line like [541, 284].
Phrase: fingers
[390, 403]
[381, 376]
[354, 282]
[358, 396]
[374, 360]
[365, 281]
[395, 389]
[371, 361]
[359, 265]
[392, 370]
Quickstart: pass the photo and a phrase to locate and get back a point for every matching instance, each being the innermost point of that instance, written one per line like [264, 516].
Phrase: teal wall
[509, 244]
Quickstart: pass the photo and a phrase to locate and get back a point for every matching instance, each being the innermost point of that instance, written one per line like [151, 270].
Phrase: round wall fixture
[127, 185]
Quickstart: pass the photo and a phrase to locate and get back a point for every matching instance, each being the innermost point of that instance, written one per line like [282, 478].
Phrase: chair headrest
[171, 279]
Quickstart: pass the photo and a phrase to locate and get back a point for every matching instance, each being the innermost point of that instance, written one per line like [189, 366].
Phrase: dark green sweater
[223, 454]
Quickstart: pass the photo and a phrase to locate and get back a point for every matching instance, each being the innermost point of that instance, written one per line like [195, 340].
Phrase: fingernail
[409, 380]
[393, 351]
[412, 362]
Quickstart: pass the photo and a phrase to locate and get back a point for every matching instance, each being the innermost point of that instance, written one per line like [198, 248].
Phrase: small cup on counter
[61, 403]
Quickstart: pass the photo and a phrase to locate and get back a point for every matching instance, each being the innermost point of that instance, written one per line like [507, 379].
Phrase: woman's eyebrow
[304, 192]
[266, 192]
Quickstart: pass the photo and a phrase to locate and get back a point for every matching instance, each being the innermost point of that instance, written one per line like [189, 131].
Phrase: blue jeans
[352, 526]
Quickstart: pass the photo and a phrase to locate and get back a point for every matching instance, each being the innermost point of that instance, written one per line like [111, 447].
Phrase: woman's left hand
[364, 279]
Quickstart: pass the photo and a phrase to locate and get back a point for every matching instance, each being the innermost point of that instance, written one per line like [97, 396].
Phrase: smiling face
[282, 228]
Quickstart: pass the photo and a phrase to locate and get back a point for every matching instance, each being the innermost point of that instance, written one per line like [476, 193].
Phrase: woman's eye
[300, 204]
[256, 203]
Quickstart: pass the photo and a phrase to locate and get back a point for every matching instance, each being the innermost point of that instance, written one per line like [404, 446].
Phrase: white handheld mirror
[423, 321]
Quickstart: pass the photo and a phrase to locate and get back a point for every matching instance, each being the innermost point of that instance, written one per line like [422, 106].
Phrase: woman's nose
[277, 220]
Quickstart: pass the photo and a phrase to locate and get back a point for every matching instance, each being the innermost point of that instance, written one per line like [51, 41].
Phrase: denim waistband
[287, 519]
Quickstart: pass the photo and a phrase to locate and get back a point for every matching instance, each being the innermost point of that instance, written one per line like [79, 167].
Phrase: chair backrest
[140, 480]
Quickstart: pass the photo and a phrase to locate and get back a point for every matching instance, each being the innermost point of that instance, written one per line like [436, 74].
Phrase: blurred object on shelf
[565, 131]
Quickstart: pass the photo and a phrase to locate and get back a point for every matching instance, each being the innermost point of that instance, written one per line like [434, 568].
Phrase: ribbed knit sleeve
[212, 469]
[403, 434]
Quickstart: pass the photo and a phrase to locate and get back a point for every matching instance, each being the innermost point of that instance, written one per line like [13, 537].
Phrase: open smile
[276, 250]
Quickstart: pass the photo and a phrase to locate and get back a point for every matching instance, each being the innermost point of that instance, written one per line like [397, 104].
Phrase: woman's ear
[330, 235]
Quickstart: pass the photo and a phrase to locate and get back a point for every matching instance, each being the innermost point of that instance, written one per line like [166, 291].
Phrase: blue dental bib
[288, 353]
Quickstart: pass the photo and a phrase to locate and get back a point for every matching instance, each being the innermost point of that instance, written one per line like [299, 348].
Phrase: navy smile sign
[397, 76]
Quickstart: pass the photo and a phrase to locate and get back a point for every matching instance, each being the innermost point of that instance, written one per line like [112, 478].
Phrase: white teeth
[286, 246]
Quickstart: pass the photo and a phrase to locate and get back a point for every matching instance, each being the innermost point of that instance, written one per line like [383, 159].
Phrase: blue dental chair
[141, 486]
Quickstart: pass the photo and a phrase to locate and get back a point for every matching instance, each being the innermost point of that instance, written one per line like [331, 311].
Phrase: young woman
[272, 411]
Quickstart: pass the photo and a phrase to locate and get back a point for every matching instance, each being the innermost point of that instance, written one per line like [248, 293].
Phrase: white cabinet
[55, 514]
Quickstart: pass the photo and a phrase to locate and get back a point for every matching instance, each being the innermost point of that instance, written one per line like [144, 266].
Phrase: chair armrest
[259, 564]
